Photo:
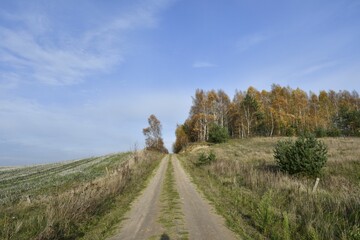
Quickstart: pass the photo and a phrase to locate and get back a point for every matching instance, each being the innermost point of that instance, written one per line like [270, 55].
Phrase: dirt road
[200, 220]
[141, 221]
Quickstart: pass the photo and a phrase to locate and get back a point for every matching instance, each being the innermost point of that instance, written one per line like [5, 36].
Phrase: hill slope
[72, 199]
[260, 202]
[18, 182]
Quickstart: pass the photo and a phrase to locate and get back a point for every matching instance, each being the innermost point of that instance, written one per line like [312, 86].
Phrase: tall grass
[260, 202]
[71, 212]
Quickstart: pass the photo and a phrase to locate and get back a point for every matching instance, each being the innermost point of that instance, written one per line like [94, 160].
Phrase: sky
[80, 78]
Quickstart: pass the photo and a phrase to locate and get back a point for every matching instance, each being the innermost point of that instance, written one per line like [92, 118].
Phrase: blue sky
[79, 78]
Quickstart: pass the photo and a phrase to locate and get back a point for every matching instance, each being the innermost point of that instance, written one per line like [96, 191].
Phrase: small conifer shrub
[218, 134]
[306, 155]
[204, 159]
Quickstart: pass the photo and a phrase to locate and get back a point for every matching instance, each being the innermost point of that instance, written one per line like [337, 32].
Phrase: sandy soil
[201, 222]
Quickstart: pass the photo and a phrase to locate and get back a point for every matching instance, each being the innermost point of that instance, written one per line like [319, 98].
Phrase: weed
[264, 215]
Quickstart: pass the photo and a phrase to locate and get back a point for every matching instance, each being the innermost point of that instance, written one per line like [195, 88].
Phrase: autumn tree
[182, 138]
[208, 108]
[222, 108]
[280, 112]
[250, 110]
[237, 118]
[198, 115]
[268, 123]
[152, 133]
[297, 117]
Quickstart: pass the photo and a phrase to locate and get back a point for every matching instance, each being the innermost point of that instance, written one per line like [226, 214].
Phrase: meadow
[260, 202]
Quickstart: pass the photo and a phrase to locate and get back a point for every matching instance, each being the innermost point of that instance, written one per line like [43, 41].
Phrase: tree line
[282, 111]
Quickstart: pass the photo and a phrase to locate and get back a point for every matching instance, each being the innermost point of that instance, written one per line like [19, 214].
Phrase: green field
[260, 202]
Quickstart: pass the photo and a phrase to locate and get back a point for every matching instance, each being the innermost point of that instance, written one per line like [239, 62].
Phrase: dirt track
[200, 220]
[141, 221]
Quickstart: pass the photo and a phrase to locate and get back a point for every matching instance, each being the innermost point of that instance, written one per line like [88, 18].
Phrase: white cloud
[203, 64]
[33, 50]
[315, 68]
[249, 41]
[49, 65]
[9, 80]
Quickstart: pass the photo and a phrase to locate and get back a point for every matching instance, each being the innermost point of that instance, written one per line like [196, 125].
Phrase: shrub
[320, 132]
[206, 159]
[265, 214]
[211, 157]
[218, 134]
[290, 132]
[202, 159]
[306, 155]
[333, 132]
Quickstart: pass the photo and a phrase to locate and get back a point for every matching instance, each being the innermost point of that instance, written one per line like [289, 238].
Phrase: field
[75, 199]
[20, 182]
[259, 202]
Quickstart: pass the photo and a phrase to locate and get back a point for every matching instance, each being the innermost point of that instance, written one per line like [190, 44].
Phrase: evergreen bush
[218, 134]
[306, 155]
[206, 159]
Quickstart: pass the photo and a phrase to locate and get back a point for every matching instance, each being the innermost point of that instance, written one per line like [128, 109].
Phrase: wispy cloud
[51, 65]
[9, 80]
[28, 51]
[249, 41]
[203, 64]
[314, 68]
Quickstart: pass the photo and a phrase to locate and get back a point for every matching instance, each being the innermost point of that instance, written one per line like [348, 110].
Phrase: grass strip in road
[171, 216]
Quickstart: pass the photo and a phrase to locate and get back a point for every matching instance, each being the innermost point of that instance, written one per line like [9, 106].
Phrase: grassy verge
[89, 207]
[259, 202]
[171, 215]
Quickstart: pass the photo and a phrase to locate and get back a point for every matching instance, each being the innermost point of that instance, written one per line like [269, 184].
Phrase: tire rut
[200, 219]
[141, 221]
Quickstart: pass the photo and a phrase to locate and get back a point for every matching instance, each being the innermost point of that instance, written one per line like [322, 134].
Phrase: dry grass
[260, 202]
[18, 183]
[171, 217]
[70, 212]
